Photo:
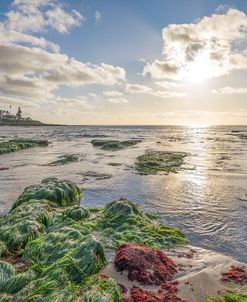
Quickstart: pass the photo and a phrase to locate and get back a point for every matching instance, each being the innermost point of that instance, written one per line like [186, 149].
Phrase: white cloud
[210, 47]
[112, 93]
[32, 67]
[118, 100]
[230, 90]
[137, 88]
[97, 16]
[165, 93]
[38, 15]
[168, 94]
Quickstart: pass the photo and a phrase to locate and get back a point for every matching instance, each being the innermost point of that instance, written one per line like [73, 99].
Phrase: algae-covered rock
[11, 281]
[80, 256]
[100, 288]
[231, 297]
[123, 221]
[76, 212]
[64, 159]
[20, 144]
[62, 192]
[24, 223]
[145, 265]
[153, 162]
[3, 248]
[114, 144]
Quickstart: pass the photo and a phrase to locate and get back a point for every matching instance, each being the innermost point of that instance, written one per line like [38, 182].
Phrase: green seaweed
[123, 221]
[63, 248]
[76, 213]
[62, 192]
[114, 144]
[26, 222]
[64, 159]
[231, 297]
[3, 248]
[100, 288]
[153, 162]
[20, 144]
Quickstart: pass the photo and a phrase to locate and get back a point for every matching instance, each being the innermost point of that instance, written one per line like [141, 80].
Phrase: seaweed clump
[62, 192]
[124, 221]
[20, 144]
[167, 294]
[230, 297]
[76, 212]
[50, 253]
[24, 223]
[145, 265]
[114, 144]
[153, 162]
[64, 159]
[236, 274]
[101, 288]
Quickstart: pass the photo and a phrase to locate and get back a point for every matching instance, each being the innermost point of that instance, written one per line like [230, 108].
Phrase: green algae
[76, 213]
[24, 223]
[63, 248]
[153, 162]
[100, 288]
[64, 159]
[62, 192]
[231, 297]
[20, 144]
[3, 248]
[124, 221]
[114, 145]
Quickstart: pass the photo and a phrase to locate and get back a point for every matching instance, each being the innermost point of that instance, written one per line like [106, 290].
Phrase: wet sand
[198, 277]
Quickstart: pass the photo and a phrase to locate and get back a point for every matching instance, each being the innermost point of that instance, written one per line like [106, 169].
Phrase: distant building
[6, 115]
[18, 114]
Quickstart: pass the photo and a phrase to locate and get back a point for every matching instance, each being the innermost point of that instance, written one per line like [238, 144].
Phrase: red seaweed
[145, 265]
[236, 274]
[168, 293]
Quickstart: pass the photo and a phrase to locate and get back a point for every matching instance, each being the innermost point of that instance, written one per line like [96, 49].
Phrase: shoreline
[48, 238]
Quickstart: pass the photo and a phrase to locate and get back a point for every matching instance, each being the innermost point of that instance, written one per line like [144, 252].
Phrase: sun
[201, 69]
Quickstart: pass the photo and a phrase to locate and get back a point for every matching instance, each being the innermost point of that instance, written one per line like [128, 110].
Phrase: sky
[125, 62]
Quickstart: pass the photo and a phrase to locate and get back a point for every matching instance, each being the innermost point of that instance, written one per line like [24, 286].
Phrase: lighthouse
[18, 114]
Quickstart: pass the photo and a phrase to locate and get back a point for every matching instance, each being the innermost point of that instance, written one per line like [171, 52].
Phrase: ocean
[207, 199]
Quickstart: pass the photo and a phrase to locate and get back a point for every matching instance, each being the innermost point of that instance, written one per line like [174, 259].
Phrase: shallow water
[206, 199]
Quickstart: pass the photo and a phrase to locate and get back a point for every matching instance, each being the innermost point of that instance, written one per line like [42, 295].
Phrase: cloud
[97, 16]
[165, 93]
[137, 88]
[230, 90]
[118, 100]
[210, 47]
[38, 15]
[112, 93]
[33, 67]
[168, 94]
[75, 73]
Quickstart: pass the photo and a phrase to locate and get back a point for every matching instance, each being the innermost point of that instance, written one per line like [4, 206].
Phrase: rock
[20, 144]
[145, 265]
[76, 213]
[62, 192]
[24, 223]
[100, 288]
[64, 159]
[153, 162]
[123, 221]
[114, 144]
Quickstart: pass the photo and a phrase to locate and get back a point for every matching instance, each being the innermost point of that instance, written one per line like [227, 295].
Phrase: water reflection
[206, 199]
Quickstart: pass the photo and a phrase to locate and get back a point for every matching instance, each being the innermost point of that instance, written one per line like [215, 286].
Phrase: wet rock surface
[20, 144]
[114, 145]
[153, 162]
